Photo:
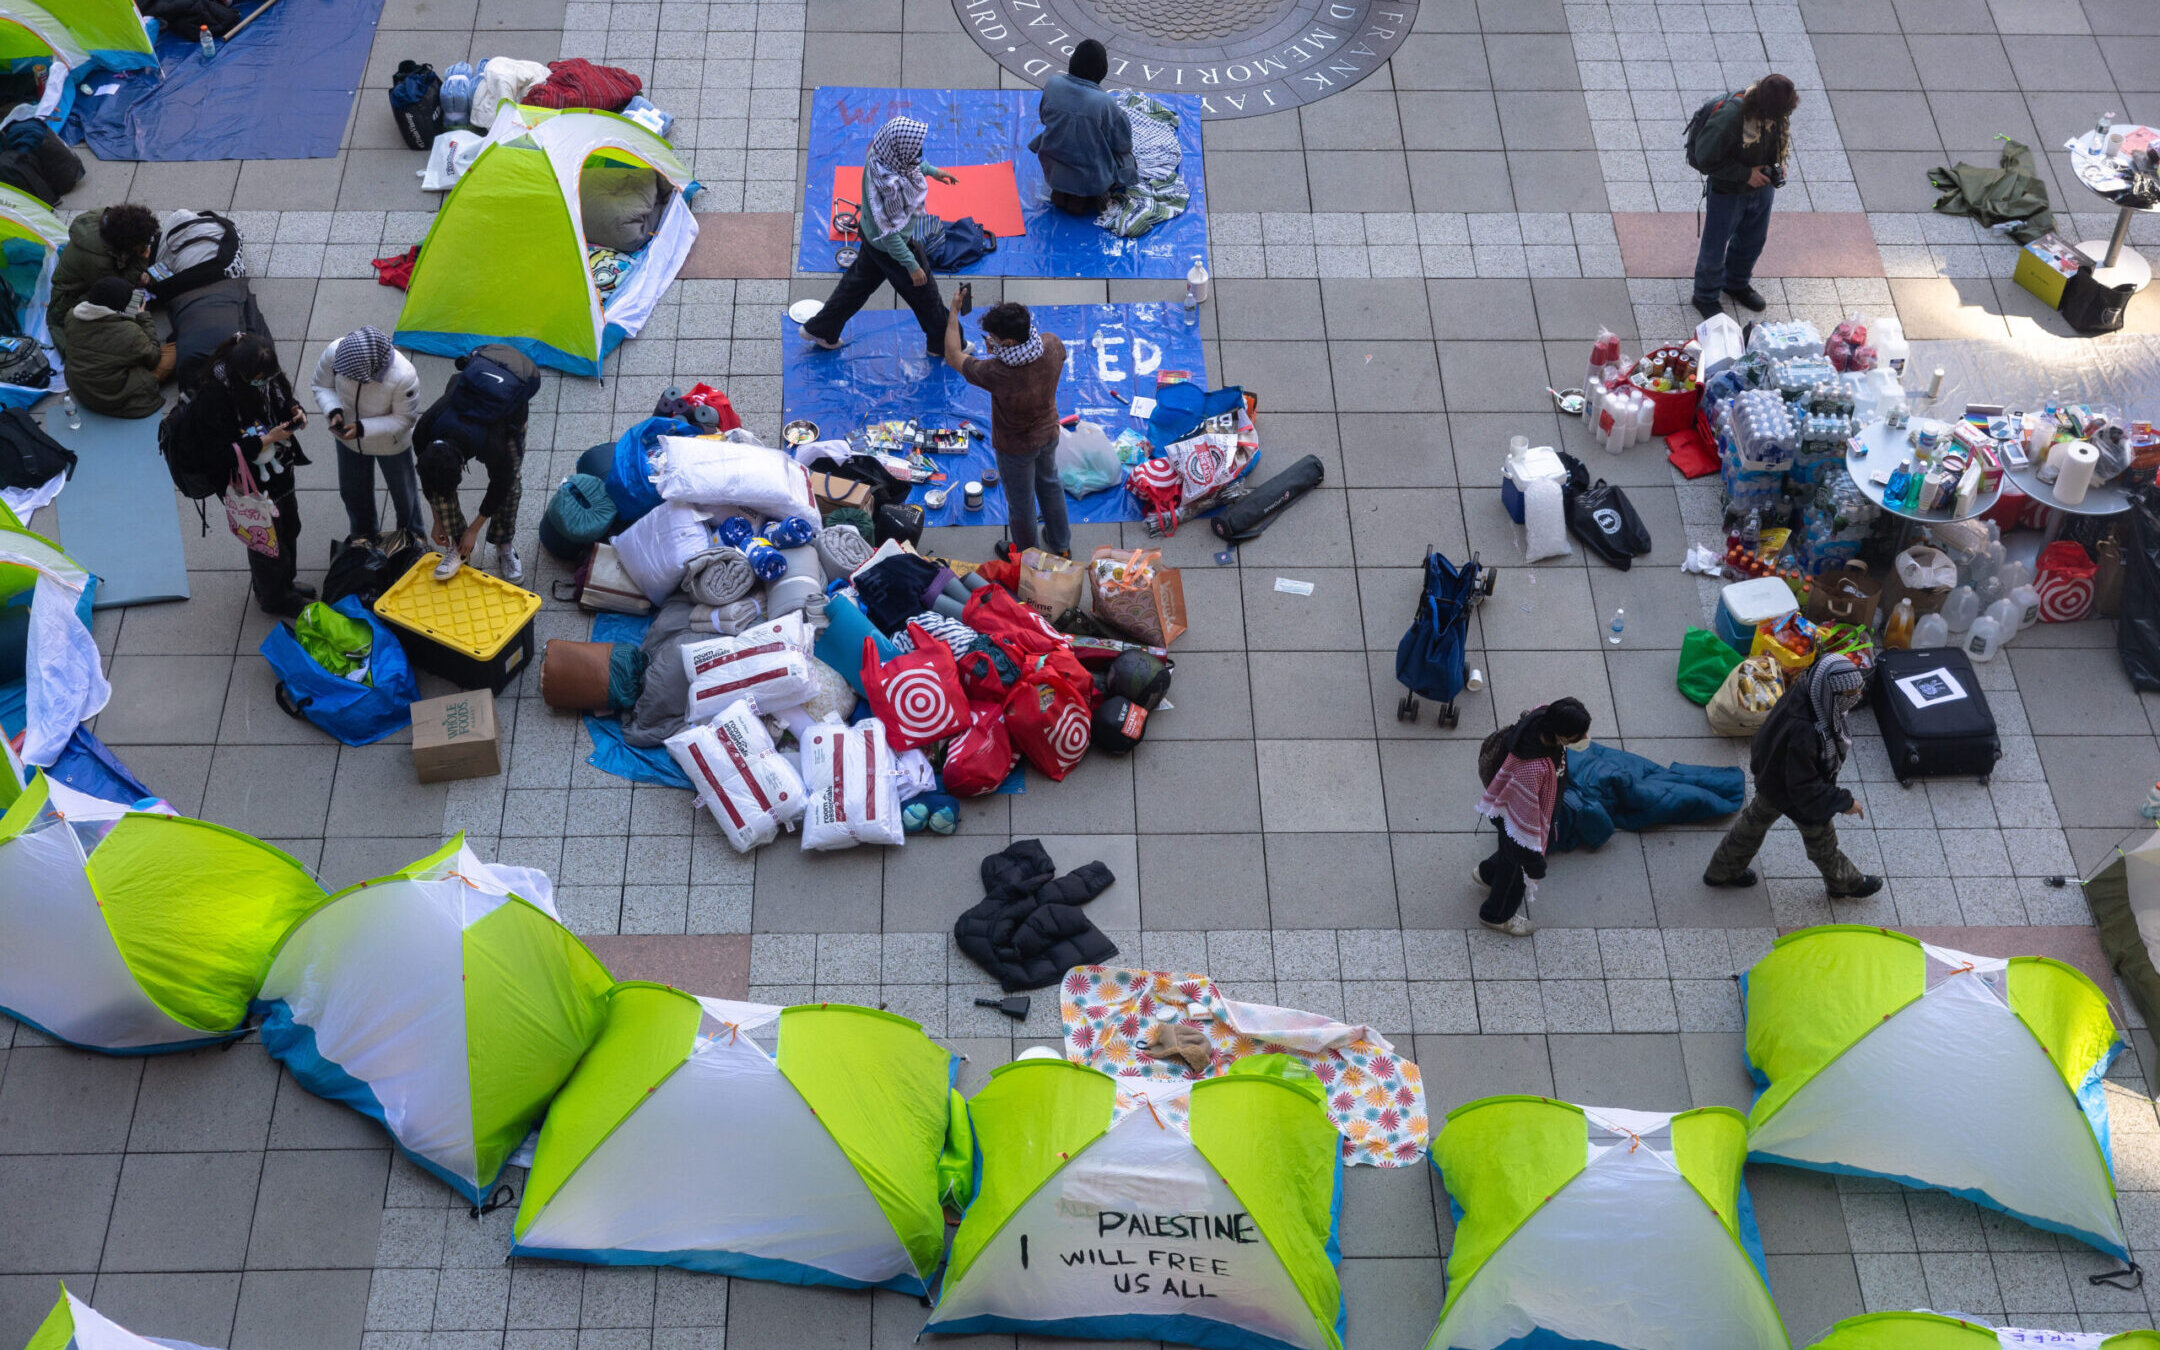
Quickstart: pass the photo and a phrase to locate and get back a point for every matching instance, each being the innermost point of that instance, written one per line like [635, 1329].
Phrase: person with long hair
[1521, 800]
[244, 399]
[1741, 148]
[1086, 144]
[894, 187]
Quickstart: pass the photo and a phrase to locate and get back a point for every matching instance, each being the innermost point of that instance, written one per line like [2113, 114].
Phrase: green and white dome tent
[1881, 1055]
[75, 1325]
[1593, 1228]
[1937, 1331]
[132, 932]
[682, 1140]
[446, 1001]
[1130, 1208]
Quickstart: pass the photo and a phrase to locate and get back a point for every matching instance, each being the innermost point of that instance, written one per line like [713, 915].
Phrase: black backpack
[201, 466]
[36, 161]
[416, 104]
[28, 456]
[485, 400]
[23, 363]
[1695, 125]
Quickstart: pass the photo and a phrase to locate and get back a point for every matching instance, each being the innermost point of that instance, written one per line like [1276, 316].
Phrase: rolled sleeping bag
[591, 676]
[841, 549]
[579, 515]
[802, 589]
[718, 576]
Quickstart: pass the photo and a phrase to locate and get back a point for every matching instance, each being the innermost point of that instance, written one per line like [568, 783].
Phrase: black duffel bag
[1244, 519]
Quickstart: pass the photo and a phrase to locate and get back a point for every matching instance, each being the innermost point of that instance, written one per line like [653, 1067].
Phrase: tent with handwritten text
[1201, 1213]
[809, 1145]
[1934, 1331]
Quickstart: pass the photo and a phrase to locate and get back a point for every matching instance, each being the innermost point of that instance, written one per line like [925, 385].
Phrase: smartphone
[965, 300]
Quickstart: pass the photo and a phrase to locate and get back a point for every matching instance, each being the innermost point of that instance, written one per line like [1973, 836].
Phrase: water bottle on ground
[2151, 809]
[205, 41]
[1192, 309]
[74, 413]
[1618, 626]
[1196, 281]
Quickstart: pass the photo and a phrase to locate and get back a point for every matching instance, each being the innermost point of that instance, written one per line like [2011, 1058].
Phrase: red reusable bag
[706, 396]
[2066, 577]
[917, 695]
[1048, 723]
[980, 758]
[1025, 636]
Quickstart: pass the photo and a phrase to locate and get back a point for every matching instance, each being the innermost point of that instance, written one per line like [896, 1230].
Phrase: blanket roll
[842, 549]
[718, 576]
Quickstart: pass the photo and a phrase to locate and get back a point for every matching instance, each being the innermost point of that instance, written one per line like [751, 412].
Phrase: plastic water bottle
[457, 92]
[1961, 608]
[1982, 640]
[2151, 809]
[2027, 600]
[205, 41]
[1618, 626]
[74, 414]
[1192, 309]
[1196, 281]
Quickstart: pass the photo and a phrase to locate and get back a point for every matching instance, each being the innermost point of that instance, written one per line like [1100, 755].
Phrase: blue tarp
[611, 753]
[281, 90]
[883, 373]
[989, 126]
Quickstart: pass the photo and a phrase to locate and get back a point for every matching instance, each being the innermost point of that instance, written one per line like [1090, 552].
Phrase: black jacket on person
[502, 454]
[1786, 756]
[1028, 929]
[1725, 153]
[237, 417]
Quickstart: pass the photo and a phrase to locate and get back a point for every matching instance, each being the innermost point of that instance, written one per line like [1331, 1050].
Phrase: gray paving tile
[56, 1100]
[1390, 1302]
[1191, 883]
[184, 1211]
[297, 1309]
[1492, 376]
[1331, 880]
[1460, 180]
[317, 1210]
[1637, 1072]
[203, 1100]
[799, 892]
[1815, 1292]
[1798, 1212]
[198, 1306]
[1461, 1069]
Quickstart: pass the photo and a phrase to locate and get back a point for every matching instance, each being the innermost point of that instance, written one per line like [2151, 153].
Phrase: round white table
[2099, 501]
[2115, 262]
[1882, 448]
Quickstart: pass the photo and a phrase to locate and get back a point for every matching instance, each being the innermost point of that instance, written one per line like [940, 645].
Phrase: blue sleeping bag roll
[357, 714]
[1610, 789]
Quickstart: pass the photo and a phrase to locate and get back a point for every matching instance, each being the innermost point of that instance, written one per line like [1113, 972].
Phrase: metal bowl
[801, 431]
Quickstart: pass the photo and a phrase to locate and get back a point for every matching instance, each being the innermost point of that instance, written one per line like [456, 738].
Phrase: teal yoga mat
[118, 515]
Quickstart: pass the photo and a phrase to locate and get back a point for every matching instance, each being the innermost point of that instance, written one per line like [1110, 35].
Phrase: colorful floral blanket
[1375, 1097]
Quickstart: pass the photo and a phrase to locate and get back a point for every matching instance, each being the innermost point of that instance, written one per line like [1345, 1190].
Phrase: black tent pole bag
[1243, 520]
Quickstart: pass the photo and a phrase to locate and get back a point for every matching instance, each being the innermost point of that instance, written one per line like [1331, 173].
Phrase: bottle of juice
[1898, 629]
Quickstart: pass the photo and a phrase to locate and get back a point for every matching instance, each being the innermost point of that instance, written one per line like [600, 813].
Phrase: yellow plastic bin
[474, 630]
[1779, 652]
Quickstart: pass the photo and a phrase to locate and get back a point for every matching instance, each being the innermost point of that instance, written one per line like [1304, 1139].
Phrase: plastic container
[1983, 640]
[1898, 628]
[474, 630]
[1887, 336]
[1745, 604]
[2026, 599]
[1674, 411]
[1538, 461]
[1931, 631]
[2005, 614]
[1960, 608]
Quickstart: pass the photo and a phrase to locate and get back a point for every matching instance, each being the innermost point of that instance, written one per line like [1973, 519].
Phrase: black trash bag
[369, 564]
[1605, 520]
[2137, 626]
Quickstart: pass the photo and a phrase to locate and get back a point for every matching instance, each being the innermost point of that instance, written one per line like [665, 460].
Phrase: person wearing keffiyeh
[1796, 755]
[370, 395]
[1520, 802]
[890, 252]
[1022, 376]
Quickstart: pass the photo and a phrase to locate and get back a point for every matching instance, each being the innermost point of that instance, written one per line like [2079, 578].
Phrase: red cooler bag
[2065, 578]
[917, 695]
[1048, 723]
[982, 757]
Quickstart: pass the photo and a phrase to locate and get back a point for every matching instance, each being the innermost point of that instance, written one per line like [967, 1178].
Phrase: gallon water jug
[2005, 614]
[1983, 640]
[1960, 609]
[1990, 590]
[1931, 631]
[457, 92]
[1887, 335]
[2015, 574]
[2027, 600]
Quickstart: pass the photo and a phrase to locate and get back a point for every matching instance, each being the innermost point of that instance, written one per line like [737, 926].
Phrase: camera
[1776, 174]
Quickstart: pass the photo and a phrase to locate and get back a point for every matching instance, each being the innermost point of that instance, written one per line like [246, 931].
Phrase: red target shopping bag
[982, 757]
[917, 695]
[2065, 579]
[1048, 722]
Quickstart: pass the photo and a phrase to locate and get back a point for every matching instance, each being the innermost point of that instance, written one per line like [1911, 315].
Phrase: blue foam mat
[281, 90]
[987, 126]
[118, 515]
[883, 373]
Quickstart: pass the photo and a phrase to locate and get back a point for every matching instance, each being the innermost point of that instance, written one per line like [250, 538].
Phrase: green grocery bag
[1705, 660]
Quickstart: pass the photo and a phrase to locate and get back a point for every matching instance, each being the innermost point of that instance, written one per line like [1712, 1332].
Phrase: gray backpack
[23, 363]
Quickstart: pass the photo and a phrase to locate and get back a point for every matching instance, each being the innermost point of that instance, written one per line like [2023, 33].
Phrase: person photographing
[1739, 144]
[1021, 376]
[895, 186]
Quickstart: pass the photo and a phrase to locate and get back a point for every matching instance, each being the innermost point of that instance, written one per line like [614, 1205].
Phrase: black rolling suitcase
[1934, 716]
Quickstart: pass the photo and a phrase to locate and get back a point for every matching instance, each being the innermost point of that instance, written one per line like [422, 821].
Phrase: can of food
[973, 496]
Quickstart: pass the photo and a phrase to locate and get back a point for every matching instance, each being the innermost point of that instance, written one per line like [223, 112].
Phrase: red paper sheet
[988, 192]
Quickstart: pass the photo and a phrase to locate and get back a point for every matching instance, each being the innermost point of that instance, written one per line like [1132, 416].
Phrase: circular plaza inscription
[1241, 58]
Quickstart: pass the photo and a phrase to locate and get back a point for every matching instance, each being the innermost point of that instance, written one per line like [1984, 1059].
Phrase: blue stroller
[1429, 659]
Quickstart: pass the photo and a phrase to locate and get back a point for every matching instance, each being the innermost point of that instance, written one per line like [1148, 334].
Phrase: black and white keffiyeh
[363, 355]
[897, 186]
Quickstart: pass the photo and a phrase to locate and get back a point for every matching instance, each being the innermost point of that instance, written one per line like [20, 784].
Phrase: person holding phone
[894, 187]
[1739, 143]
[110, 349]
[1022, 377]
[244, 400]
[370, 395]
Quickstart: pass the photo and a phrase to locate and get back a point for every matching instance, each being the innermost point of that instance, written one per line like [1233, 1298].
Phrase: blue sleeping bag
[1610, 789]
[629, 476]
[357, 714]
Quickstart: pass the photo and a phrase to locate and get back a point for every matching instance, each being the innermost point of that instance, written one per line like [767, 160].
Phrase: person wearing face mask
[370, 394]
[894, 187]
[1022, 376]
[243, 399]
[1085, 145]
[1795, 756]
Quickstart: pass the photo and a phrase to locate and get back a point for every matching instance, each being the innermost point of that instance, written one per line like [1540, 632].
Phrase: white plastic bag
[754, 479]
[1921, 568]
[767, 672]
[1086, 460]
[660, 543]
[750, 788]
[854, 787]
[1544, 520]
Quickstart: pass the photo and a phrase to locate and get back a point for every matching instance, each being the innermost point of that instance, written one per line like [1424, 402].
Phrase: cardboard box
[456, 737]
[830, 491]
[2046, 265]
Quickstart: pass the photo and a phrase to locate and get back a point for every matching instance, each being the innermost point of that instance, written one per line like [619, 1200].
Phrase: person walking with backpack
[482, 417]
[894, 188]
[1739, 144]
[240, 423]
[370, 395]
[1527, 764]
[1795, 757]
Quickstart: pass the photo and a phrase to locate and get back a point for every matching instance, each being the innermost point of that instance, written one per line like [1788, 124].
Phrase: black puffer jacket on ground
[1028, 929]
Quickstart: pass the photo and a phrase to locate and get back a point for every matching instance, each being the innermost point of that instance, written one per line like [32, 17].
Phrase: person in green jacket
[118, 241]
[109, 346]
[894, 188]
[1741, 148]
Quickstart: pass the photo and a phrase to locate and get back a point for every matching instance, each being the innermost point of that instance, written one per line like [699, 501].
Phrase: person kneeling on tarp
[110, 348]
[894, 188]
[1085, 145]
[1022, 377]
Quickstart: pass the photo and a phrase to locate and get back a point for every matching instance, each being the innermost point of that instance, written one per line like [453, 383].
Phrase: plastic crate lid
[473, 613]
[1751, 602]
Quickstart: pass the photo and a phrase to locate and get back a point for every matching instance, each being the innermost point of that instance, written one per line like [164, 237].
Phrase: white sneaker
[1517, 925]
[508, 564]
[452, 560]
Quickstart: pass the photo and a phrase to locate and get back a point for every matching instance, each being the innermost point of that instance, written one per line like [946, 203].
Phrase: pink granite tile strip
[1802, 244]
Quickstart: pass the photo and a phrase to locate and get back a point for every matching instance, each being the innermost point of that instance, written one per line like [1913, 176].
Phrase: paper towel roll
[2078, 463]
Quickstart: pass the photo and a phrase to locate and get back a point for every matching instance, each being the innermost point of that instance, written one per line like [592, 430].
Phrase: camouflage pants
[1745, 839]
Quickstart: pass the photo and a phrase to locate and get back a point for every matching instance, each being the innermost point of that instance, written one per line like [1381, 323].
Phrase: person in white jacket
[370, 394]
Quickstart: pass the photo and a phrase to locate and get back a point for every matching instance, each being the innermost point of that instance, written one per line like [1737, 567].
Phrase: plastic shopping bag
[916, 695]
[1743, 703]
[1086, 460]
[769, 672]
[751, 788]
